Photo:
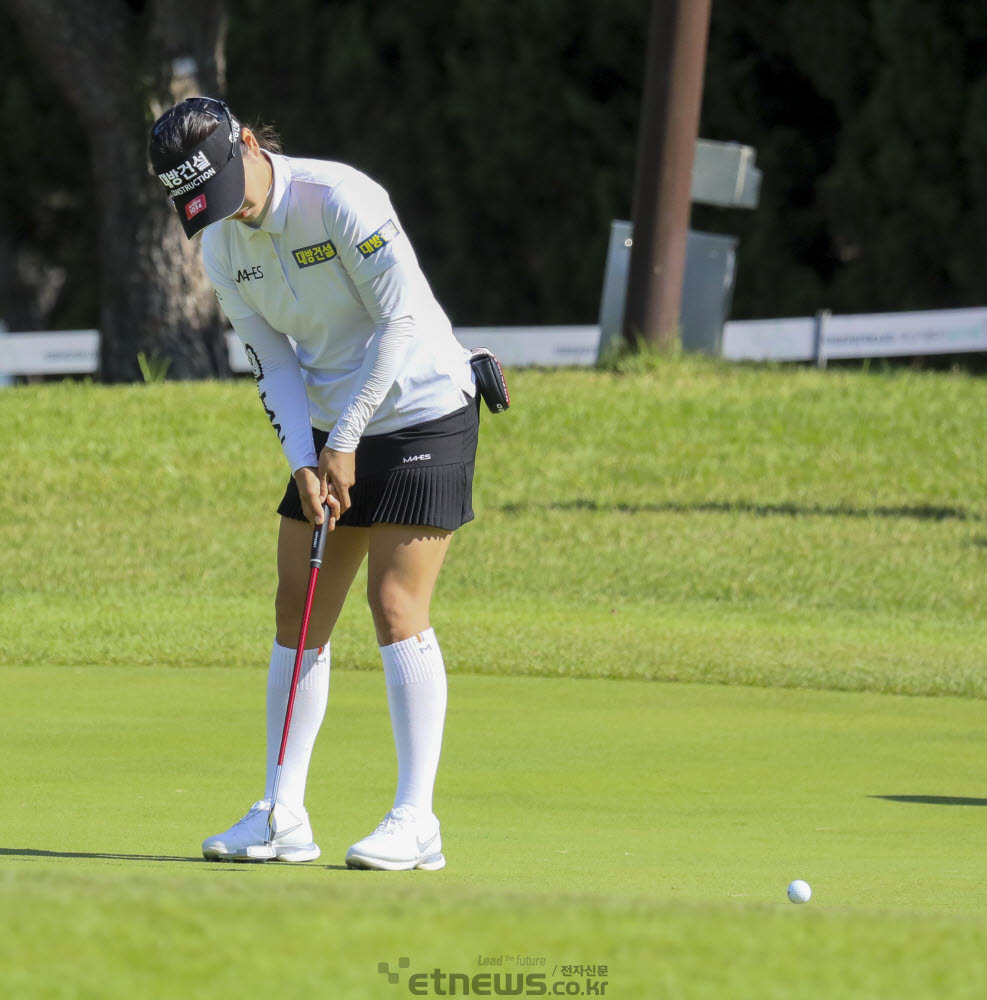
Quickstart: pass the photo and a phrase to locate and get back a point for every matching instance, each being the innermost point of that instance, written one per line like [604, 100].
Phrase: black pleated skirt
[421, 474]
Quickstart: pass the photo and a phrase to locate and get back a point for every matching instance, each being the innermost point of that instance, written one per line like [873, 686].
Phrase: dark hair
[189, 122]
[267, 137]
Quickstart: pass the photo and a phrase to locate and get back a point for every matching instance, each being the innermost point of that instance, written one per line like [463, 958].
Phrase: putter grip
[319, 539]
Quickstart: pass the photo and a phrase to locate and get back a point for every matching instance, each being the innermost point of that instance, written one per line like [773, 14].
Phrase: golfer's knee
[397, 613]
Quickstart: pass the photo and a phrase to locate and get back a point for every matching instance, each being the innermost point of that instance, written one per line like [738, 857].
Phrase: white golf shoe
[246, 840]
[406, 838]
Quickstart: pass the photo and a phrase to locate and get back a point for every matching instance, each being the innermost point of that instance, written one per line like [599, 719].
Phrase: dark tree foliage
[114, 66]
[869, 122]
[506, 134]
[46, 277]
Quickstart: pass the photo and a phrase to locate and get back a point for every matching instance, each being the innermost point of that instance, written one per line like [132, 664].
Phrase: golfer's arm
[281, 388]
[385, 299]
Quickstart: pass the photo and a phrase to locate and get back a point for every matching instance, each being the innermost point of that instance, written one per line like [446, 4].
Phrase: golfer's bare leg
[403, 565]
[345, 550]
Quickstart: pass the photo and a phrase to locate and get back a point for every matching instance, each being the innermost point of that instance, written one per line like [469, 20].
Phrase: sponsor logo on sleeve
[317, 253]
[258, 370]
[378, 240]
[256, 366]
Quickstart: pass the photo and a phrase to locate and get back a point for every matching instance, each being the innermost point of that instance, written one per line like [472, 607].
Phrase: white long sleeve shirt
[329, 266]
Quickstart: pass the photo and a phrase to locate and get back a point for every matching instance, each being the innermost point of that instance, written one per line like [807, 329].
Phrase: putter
[315, 562]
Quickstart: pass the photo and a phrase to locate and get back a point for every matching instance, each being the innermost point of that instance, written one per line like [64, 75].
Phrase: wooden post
[667, 135]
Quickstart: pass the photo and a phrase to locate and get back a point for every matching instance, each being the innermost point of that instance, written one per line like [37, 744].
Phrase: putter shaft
[315, 564]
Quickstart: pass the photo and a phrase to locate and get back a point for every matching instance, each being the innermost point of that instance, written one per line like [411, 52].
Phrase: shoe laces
[262, 806]
[397, 819]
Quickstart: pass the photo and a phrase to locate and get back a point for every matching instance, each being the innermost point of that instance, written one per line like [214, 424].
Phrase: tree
[504, 132]
[119, 64]
[905, 198]
[44, 279]
[763, 61]
[868, 120]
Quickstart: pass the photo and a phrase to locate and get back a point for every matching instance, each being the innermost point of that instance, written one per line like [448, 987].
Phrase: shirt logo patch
[317, 253]
[195, 206]
[381, 238]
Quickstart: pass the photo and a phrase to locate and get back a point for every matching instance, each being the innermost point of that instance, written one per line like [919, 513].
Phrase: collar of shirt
[277, 211]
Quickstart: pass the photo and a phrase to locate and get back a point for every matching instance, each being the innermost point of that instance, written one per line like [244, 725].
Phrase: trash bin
[707, 289]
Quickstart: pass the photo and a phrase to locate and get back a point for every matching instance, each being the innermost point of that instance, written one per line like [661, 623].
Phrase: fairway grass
[650, 828]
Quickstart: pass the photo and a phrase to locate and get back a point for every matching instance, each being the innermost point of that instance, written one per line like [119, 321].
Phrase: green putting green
[650, 829]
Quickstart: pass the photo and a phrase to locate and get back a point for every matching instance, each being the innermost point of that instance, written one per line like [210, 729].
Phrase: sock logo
[384, 968]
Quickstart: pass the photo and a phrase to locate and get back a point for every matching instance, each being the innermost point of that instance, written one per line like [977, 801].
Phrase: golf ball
[799, 891]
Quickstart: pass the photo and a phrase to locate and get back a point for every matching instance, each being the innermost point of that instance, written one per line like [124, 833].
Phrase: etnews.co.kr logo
[393, 977]
[438, 982]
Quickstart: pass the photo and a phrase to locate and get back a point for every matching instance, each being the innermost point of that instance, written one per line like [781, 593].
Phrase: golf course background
[714, 628]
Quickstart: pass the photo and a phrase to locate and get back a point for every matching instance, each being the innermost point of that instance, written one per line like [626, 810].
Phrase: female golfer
[373, 401]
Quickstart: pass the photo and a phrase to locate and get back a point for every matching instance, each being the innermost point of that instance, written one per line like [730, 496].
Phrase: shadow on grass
[27, 853]
[932, 800]
[922, 512]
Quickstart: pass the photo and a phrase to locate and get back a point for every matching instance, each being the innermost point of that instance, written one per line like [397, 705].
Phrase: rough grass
[693, 521]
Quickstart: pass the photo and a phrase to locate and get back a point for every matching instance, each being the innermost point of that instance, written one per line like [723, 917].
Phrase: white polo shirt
[328, 230]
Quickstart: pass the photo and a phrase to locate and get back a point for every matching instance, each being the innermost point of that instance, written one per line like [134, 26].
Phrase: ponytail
[267, 137]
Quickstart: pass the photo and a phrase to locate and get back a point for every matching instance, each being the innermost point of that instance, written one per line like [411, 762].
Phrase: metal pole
[819, 337]
[663, 179]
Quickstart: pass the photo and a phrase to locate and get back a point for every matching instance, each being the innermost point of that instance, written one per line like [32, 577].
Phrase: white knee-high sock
[416, 697]
[306, 717]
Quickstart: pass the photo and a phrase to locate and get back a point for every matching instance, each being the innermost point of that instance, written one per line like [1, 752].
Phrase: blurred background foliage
[506, 135]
